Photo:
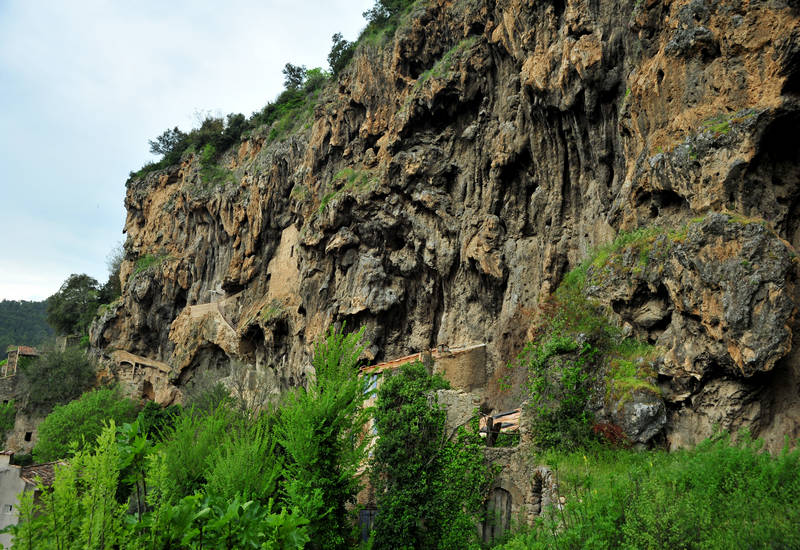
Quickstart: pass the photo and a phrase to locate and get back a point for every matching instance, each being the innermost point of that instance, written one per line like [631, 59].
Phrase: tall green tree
[72, 308]
[321, 429]
[429, 485]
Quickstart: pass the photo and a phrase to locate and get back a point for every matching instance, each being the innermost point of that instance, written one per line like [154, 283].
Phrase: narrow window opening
[28, 436]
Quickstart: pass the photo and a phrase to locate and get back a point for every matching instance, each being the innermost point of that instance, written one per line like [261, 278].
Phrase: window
[28, 436]
[7, 508]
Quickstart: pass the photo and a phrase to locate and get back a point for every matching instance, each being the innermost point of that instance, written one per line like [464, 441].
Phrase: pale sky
[85, 83]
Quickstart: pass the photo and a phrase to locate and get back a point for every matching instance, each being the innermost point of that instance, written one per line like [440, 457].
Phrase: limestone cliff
[455, 173]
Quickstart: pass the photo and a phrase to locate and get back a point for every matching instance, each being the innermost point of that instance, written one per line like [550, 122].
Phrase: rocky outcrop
[456, 172]
[717, 299]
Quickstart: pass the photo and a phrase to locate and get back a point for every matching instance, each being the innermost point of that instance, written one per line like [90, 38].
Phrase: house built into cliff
[518, 488]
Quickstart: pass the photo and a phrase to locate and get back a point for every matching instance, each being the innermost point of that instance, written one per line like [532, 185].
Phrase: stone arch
[147, 391]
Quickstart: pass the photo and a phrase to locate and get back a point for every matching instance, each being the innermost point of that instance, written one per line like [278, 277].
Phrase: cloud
[87, 83]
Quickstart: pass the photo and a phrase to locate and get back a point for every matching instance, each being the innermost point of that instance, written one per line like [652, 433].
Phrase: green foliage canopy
[321, 430]
[23, 323]
[429, 486]
[72, 308]
[55, 377]
[79, 423]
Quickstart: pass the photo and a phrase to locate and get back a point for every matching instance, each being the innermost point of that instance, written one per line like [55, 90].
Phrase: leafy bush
[154, 419]
[72, 308]
[250, 448]
[82, 510]
[79, 423]
[708, 497]
[54, 378]
[560, 383]
[321, 429]
[187, 446]
[429, 488]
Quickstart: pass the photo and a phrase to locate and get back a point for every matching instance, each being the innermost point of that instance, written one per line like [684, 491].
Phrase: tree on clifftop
[72, 308]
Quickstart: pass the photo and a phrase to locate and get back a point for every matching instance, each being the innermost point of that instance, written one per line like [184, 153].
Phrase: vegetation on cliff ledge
[579, 355]
[292, 109]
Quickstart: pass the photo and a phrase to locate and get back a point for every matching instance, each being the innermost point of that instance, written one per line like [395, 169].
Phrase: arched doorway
[498, 514]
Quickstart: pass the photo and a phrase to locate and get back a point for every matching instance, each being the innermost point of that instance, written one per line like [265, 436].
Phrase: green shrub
[719, 495]
[321, 430]
[429, 487]
[77, 424]
[56, 377]
[154, 419]
[187, 446]
[8, 414]
[560, 371]
[250, 448]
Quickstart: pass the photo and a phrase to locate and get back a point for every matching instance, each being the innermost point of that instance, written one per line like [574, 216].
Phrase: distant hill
[22, 323]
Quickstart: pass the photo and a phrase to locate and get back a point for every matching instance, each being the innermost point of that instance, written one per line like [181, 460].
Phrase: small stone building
[520, 490]
[14, 354]
[16, 480]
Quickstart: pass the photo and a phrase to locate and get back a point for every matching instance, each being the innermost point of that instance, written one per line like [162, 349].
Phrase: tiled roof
[46, 472]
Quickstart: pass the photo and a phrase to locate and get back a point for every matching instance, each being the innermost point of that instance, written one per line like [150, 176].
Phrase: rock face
[455, 173]
[718, 299]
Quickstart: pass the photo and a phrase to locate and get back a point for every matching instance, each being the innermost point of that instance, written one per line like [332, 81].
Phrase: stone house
[16, 480]
[520, 489]
[14, 353]
[22, 438]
